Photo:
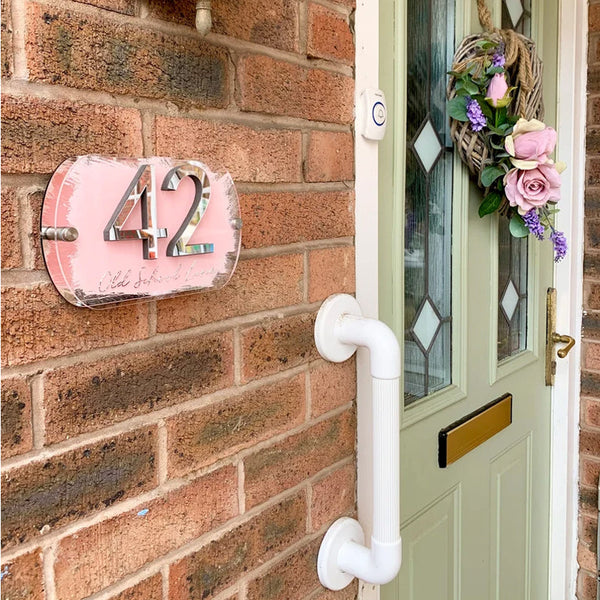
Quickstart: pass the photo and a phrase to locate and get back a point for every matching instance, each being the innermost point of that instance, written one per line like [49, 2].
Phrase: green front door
[468, 303]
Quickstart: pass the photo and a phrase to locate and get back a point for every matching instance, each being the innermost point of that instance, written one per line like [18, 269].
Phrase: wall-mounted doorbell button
[372, 114]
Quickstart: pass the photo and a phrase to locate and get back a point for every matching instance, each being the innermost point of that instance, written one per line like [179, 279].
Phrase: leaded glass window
[516, 14]
[428, 212]
[512, 293]
[512, 252]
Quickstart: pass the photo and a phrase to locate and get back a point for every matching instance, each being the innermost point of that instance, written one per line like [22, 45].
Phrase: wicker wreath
[524, 72]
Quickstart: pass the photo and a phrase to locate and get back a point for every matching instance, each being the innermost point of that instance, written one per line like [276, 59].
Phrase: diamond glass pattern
[427, 146]
[515, 10]
[510, 299]
[426, 325]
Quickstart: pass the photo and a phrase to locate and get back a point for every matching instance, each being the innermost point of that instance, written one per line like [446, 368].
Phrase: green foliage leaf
[457, 109]
[491, 203]
[470, 87]
[486, 44]
[490, 174]
[486, 109]
[494, 70]
[517, 227]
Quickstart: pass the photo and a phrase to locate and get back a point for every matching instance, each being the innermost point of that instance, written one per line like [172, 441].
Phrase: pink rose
[497, 90]
[532, 188]
[530, 143]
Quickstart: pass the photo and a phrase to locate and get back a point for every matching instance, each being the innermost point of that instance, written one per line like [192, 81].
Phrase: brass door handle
[563, 339]
[553, 338]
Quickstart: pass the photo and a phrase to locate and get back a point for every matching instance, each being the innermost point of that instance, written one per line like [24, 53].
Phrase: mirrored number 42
[143, 189]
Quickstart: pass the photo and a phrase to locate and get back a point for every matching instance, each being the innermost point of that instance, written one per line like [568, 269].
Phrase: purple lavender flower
[498, 60]
[532, 220]
[475, 115]
[560, 245]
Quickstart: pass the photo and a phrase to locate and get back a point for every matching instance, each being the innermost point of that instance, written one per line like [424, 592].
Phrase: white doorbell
[372, 114]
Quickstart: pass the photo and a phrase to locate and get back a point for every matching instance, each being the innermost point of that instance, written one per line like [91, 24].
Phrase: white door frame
[571, 122]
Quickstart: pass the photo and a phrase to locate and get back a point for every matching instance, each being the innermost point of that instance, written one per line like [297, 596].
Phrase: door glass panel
[516, 14]
[429, 179]
[512, 293]
[512, 252]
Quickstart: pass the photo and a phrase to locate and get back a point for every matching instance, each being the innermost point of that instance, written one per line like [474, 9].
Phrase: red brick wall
[590, 376]
[195, 447]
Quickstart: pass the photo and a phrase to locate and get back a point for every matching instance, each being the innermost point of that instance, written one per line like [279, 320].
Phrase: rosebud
[497, 92]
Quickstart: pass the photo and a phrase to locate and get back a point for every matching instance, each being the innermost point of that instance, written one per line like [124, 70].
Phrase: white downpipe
[339, 329]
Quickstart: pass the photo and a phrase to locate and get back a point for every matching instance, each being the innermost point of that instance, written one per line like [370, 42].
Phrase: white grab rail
[339, 329]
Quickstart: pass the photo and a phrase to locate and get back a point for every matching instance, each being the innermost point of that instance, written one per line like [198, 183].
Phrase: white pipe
[338, 331]
[384, 351]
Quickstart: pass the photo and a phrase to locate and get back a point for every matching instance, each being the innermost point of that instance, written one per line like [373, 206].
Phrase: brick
[593, 111]
[48, 494]
[17, 433]
[588, 498]
[6, 39]
[94, 558]
[329, 35]
[588, 532]
[12, 256]
[331, 386]
[331, 271]
[23, 578]
[330, 156]
[593, 168]
[348, 593]
[37, 324]
[592, 230]
[333, 497]
[126, 7]
[594, 17]
[87, 396]
[277, 87]
[252, 288]
[201, 437]
[79, 50]
[592, 144]
[278, 218]
[590, 412]
[270, 23]
[38, 134]
[589, 442]
[591, 326]
[586, 558]
[592, 296]
[277, 344]
[593, 78]
[591, 355]
[591, 266]
[255, 155]
[177, 11]
[34, 204]
[592, 203]
[206, 572]
[589, 470]
[586, 586]
[149, 589]
[290, 579]
[12, 242]
[298, 457]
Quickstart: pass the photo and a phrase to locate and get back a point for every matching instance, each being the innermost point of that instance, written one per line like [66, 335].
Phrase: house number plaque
[121, 229]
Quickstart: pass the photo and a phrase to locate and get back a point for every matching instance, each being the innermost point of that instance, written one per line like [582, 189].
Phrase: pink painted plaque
[123, 229]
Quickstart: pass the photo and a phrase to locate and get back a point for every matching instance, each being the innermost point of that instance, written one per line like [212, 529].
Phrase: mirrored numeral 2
[141, 188]
[179, 245]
